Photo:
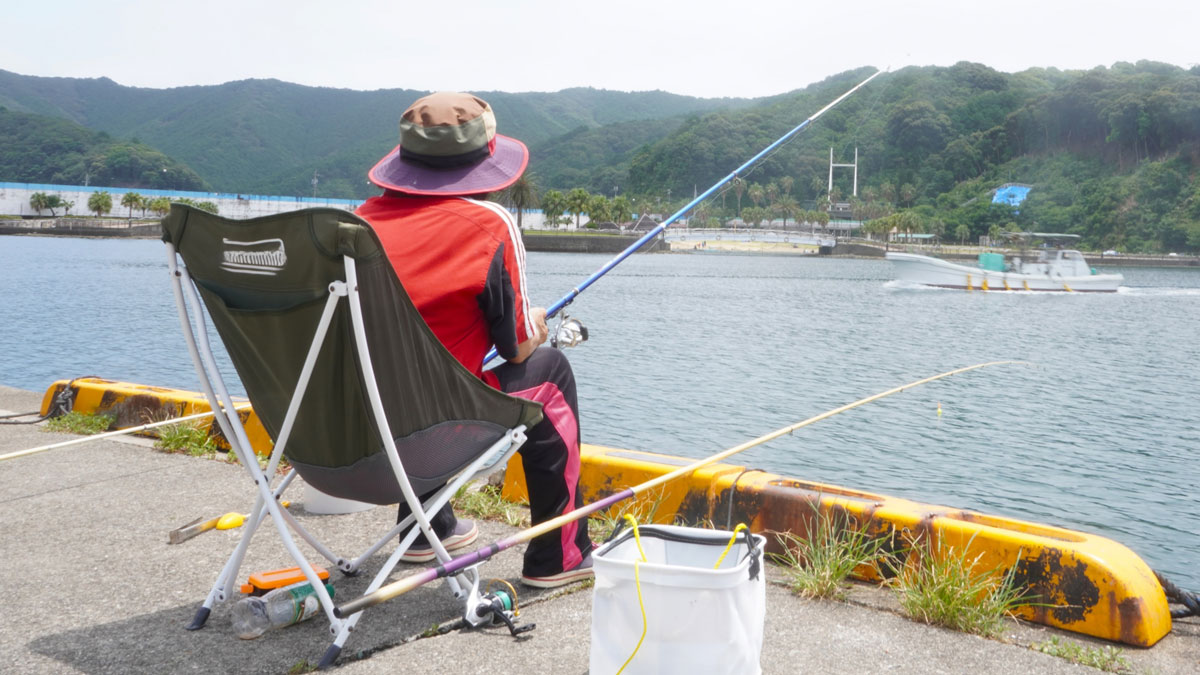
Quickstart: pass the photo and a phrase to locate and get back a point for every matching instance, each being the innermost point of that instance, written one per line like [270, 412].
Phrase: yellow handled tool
[226, 522]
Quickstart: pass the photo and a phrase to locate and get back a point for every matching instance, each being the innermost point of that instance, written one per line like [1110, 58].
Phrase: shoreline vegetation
[586, 241]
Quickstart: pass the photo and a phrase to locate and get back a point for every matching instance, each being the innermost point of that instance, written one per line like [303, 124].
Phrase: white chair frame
[268, 498]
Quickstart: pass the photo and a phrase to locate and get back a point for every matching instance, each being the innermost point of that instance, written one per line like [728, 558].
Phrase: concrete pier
[93, 587]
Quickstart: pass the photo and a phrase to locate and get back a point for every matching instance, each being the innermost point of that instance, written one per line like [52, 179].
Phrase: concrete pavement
[91, 586]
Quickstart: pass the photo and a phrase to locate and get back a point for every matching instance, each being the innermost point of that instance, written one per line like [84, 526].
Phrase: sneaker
[579, 573]
[465, 533]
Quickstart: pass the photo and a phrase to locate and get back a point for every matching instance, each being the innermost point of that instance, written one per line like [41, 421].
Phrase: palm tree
[620, 209]
[785, 185]
[757, 194]
[160, 205]
[888, 192]
[132, 200]
[908, 193]
[754, 215]
[787, 206]
[522, 195]
[577, 203]
[598, 209]
[962, 232]
[908, 222]
[100, 202]
[553, 205]
[39, 201]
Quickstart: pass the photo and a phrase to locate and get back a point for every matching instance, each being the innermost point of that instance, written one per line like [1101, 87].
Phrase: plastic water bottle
[284, 606]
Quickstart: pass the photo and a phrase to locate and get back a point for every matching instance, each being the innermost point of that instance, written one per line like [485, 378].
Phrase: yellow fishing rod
[402, 586]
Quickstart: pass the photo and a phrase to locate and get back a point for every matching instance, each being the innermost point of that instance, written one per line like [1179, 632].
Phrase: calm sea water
[692, 354]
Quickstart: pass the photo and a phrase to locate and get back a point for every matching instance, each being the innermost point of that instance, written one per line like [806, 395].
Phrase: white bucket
[318, 502]
[699, 619]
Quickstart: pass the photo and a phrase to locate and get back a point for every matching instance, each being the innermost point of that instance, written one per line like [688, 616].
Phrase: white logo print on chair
[265, 256]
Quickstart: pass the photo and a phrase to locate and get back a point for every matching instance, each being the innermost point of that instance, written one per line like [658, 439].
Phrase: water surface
[692, 354]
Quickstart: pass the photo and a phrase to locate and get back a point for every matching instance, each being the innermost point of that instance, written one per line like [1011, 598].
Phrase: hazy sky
[696, 47]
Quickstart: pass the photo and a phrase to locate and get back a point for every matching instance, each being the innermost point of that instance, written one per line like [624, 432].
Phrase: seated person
[462, 261]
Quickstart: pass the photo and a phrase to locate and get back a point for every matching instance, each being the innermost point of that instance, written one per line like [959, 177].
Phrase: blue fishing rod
[569, 297]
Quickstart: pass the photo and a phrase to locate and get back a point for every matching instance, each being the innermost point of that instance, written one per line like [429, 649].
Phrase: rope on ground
[63, 402]
[1176, 595]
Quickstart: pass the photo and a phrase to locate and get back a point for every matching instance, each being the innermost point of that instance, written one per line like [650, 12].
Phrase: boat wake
[897, 285]
[1157, 291]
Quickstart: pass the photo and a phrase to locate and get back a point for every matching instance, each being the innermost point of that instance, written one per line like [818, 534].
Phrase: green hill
[268, 136]
[1112, 153]
[41, 149]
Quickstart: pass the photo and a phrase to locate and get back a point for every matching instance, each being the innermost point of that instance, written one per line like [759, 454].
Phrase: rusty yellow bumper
[137, 404]
[1083, 583]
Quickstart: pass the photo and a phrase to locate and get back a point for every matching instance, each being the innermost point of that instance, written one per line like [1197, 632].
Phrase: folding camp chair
[345, 376]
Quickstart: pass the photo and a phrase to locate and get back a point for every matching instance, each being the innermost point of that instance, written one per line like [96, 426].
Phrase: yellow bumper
[1089, 584]
[137, 404]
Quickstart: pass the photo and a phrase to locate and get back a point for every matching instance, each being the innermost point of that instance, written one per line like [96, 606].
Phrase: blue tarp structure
[1011, 194]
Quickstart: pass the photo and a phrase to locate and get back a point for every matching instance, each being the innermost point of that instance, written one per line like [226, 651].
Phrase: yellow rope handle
[637, 581]
[637, 537]
[739, 528]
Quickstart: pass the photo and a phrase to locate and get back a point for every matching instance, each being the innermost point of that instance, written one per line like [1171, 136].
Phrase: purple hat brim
[496, 172]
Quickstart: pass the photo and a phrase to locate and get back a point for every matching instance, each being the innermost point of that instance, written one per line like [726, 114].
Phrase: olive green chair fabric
[265, 282]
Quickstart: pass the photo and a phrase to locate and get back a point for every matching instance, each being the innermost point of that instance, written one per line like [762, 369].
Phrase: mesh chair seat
[351, 384]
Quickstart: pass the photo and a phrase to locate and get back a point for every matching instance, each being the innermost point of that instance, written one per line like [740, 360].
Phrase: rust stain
[107, 400]
[1064, 586]
[1132, 611]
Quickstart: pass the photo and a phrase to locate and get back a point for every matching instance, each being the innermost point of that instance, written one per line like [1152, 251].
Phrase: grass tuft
[301, 667]
[943, 588]
[187, 438]
[1108, 658]
[485, 503]
[643, 508]
[818, 565]
[80, 423]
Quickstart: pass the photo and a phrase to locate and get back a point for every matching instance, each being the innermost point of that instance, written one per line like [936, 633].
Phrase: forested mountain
[41, 149]
[267, 136]
[1112, 153]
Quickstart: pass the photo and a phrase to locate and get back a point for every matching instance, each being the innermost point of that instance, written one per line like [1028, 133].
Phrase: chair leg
[330, 656]
[223, 586]
[200, 619]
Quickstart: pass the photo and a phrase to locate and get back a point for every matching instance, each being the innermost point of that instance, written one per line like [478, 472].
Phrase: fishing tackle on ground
[455, 565]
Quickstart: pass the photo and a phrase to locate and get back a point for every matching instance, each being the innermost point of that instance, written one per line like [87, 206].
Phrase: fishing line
[460, 563]
[110, 434]
[604, 269]
[866, 114]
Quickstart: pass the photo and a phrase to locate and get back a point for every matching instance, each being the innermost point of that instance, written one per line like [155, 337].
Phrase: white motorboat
[1061, 270]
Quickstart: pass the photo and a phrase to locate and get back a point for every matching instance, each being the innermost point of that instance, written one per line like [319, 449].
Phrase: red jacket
[463, 264]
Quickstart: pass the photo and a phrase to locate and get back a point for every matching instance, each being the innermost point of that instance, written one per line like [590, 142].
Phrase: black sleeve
[498, 301]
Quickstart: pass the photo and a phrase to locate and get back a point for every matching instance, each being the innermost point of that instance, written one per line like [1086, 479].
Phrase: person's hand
[540, 331]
